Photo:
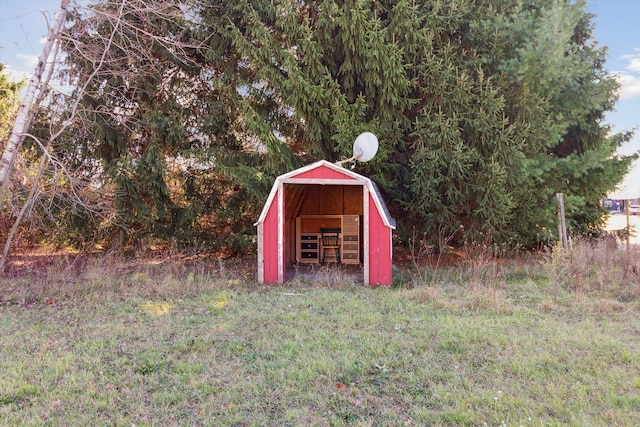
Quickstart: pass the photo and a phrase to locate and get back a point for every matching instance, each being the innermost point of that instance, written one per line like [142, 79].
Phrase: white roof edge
[381, 205]
[373, 189]
[265, 208]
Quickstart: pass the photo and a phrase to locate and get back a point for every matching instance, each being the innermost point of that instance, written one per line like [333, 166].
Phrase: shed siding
[270, 245]
[323, 173]
[379, 248]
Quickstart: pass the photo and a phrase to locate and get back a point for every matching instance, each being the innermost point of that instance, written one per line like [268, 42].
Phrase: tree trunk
[27, 109]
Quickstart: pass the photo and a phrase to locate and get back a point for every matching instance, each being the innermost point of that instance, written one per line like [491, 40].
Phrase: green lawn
[181, 348]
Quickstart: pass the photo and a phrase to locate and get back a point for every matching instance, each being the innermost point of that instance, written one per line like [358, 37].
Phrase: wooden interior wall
[313, 225]
[331, 200]
[289, 242]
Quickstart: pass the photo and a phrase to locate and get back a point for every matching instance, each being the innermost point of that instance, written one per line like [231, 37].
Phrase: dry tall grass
[595, 268]
[596, 276]
[163, 275]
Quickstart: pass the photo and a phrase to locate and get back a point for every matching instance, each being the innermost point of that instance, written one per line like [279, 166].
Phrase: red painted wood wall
[323, 173]
[380, 265]
[379, 248]
[270, 244]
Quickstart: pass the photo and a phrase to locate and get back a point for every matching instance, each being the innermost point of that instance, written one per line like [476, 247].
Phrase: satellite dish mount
[365, 148]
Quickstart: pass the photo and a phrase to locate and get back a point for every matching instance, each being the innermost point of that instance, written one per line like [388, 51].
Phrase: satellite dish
[365, 148]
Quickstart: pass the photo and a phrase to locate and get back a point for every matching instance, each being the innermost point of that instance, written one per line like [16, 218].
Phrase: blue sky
[22, 26]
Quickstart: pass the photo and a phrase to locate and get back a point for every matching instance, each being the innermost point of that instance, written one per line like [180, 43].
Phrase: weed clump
[116, 279]
[594, 268]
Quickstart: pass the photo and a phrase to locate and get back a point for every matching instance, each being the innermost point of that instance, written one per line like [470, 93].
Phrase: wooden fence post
[562, 223]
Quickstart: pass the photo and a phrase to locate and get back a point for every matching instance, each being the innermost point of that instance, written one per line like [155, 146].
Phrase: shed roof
[343, 175]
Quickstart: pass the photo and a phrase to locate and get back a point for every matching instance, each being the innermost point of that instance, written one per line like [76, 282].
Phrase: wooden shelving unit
[309, 243]
[350, 252]
[308, 248]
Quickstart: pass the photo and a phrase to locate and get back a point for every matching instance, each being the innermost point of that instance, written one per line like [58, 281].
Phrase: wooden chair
[330, 244]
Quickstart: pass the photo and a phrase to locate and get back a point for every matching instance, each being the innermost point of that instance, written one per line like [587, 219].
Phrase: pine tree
[163, 124]
[484, 109]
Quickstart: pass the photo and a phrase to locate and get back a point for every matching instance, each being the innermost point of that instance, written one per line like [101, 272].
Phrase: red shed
[324, 195]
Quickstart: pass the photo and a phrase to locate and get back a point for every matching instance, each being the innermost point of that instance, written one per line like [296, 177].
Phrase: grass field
[538, 342]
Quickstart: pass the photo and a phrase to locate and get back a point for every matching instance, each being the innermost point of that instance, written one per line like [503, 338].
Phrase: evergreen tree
[164, 126]
[484, 109]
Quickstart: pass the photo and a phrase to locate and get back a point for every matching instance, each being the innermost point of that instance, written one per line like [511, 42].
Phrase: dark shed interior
[315, 199]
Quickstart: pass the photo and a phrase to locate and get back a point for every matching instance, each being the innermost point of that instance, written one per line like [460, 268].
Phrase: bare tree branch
[124, 55]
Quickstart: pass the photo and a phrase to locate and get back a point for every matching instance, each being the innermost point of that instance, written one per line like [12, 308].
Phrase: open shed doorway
[308, 209]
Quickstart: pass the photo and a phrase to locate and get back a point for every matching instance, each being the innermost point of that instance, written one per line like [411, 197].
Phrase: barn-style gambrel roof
[327, 173]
